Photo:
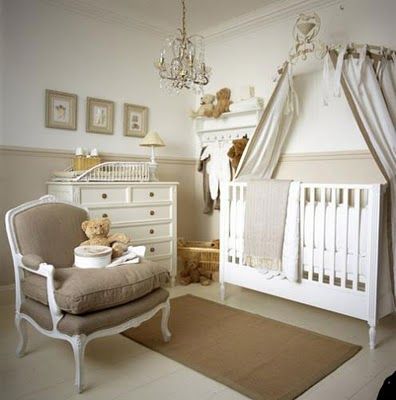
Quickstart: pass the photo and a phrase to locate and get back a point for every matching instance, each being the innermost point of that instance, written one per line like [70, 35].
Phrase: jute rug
[256, 356]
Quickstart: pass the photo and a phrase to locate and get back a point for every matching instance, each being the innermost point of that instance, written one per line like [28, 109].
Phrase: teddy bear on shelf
[193, 274]
[97, 232]
[206, 107]
[222, 105]
[236, 150]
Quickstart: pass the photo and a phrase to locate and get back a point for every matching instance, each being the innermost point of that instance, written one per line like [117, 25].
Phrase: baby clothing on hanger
[217, 167]
[209, 204]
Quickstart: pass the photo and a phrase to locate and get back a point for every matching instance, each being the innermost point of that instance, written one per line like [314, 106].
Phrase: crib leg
[372, 336]
[222, 291]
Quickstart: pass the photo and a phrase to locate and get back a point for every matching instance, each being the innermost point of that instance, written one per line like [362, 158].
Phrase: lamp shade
[152, 139]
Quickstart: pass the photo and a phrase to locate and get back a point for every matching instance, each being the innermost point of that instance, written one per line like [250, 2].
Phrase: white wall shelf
[229, 126]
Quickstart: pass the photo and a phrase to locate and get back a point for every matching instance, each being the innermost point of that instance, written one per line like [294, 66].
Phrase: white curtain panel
[387, 81]
[264, 148]
[379, 129]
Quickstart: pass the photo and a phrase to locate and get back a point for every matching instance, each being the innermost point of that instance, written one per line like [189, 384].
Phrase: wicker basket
[203, 252]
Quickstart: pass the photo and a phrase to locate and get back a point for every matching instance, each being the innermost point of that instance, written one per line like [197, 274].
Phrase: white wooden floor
[117, 368]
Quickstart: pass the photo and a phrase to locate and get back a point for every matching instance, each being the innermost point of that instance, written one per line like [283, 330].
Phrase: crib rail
[339, 229]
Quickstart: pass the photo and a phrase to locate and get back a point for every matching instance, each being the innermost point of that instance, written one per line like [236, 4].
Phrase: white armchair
[69, 303]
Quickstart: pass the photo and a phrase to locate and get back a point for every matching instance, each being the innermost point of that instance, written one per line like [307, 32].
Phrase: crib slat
[356, 224]
[234, 219]
[322, 233]
[241, 229]
[302, 230]
[312, 201]
[333, 233]
[345, 199]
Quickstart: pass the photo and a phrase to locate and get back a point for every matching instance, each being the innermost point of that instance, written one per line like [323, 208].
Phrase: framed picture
[135, 120]
[100, 116]
[60, 110]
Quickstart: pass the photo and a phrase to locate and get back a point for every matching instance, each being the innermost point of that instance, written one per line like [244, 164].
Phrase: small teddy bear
[236, 150]
[193, 274]
[97, 232]
[222, 105]
[206, 107]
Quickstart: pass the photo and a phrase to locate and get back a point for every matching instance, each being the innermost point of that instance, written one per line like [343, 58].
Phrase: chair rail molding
[42, 152]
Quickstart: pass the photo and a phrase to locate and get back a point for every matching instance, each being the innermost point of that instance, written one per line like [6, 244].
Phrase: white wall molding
[289, 157]
[93, 11]
[274, 12]
[41, 152]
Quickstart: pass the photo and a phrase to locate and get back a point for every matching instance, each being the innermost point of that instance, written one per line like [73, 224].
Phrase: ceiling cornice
[93, 11]
[274, 12]
[255, 20]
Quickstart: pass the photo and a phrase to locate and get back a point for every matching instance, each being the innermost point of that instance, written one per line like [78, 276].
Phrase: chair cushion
[52, 231]
[79, 291]
[92, 322]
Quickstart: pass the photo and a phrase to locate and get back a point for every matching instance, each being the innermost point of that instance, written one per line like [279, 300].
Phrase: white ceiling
[166, 14]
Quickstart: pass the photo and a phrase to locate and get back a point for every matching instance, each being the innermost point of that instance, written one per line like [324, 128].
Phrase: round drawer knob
[151, 194]
[104, 196]
[152, 212]
[151, 231]
[104, 215]
[152, 249]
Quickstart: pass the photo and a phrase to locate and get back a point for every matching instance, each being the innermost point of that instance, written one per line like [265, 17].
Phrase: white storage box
[92, 256]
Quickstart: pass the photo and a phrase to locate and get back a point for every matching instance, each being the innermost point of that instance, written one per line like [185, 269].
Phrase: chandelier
[181, 64]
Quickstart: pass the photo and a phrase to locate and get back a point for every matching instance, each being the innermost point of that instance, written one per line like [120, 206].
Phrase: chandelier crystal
[181, 64]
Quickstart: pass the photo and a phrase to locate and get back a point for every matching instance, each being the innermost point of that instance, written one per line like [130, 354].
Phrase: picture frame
[60, 110]
[135, 120]
[100, 116]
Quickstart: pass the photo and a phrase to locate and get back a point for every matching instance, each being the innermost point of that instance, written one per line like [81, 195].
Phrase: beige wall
[25, 171]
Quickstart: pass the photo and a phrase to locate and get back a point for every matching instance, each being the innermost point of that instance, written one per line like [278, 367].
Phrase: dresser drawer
[103, 195]
[158, 249]
[146, 232]
[131, 214]
[144, 194]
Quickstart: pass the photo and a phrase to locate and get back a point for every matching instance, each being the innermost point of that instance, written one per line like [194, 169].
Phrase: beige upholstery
[78, 291]
[92, 322]
[51, 231]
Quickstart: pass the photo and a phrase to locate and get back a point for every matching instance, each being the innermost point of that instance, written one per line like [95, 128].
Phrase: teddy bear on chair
[97, 232]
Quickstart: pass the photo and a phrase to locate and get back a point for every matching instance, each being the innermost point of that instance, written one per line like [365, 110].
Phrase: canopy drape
[264, 147]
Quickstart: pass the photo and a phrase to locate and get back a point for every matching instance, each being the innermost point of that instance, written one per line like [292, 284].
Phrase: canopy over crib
[367, 76]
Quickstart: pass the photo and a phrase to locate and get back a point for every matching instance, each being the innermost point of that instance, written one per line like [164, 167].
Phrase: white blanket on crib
[291, 240]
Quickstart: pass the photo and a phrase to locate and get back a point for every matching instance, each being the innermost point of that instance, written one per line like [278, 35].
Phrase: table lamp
[153, 139]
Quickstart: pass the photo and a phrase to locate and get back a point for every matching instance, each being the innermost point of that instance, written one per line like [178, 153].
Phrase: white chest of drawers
[147, 212]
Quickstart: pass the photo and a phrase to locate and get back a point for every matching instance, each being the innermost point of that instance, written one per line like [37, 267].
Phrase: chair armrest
[47, 271]
[32, 261]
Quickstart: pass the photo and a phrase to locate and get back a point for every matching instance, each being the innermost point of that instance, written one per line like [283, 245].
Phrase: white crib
[339, 249]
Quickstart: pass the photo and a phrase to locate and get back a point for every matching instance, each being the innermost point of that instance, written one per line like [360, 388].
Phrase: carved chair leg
[78, 343]
[164, 322]
[20, 324]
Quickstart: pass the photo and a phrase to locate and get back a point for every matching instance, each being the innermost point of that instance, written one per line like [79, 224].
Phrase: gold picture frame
[100, 116]
[60, 110]
[135, 120]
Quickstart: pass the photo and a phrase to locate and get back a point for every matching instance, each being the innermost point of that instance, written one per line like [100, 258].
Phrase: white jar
[92, 256]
